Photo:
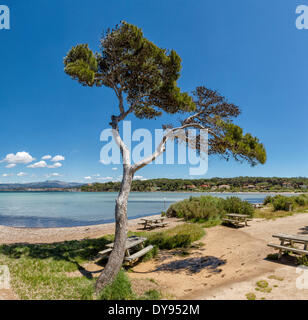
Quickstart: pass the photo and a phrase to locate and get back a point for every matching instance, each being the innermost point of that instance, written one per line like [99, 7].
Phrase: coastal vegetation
[208, 208]
[282, 206]
[237, 184]
[181, 236]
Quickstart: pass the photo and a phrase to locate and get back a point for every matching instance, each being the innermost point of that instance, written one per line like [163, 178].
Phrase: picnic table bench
[287, 244]
[237, 219]
[133, 243]
[153, 223]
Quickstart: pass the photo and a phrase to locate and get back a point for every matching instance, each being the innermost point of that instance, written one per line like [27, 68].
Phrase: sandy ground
[230, 263]
[224, 264]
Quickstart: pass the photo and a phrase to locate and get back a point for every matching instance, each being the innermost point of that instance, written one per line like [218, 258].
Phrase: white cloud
[40, 164]
[55, 165]
[53, 175]
[19, 157]
[140, 178]
[96, 175]
[114, 169]
[6, 175]
[88, 178]
[21, 174]
[11, 165]
[47, 157]
[57, 158]
[105, 178]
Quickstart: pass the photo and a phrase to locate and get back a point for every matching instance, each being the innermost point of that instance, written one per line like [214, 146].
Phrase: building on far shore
[205, 186]
[224, 186]
[191, 187]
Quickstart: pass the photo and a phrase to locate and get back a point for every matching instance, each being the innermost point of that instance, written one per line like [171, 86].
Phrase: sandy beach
[10, 235]
[225, 264]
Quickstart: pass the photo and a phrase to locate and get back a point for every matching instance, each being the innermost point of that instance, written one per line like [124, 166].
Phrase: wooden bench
[237, 219]
[287, 244]
[104, 253]
[288, 249]
[138, 254]
[153, 223]
[132, 243]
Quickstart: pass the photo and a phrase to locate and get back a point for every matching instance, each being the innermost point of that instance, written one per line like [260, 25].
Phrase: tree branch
[162, 146]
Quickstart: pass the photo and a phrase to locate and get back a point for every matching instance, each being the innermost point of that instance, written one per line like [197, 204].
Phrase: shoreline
[10, 235]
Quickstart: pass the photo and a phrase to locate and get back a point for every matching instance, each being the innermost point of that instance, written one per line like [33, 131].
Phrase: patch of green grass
[120, 289]
[41, 271]
[275, 278]
[212, 223]
[150, 255]
[272, 215]
[151, 295]
[262, 286]
[251, 296]
[178, 237]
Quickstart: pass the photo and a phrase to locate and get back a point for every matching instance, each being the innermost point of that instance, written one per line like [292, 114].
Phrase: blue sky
[250, 51]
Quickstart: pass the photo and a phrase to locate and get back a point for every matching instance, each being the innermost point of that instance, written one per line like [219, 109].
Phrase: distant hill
[40, 185]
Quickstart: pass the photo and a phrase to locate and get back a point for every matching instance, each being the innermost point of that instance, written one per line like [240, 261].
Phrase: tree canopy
[135, 68]
[144, 79]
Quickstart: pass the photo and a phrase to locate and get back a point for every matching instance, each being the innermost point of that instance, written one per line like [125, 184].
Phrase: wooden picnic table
[237, 219]
[287, 244]
[153, 223]
[132, 243]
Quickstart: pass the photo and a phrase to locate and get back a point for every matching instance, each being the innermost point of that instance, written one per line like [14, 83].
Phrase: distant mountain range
[40, 185]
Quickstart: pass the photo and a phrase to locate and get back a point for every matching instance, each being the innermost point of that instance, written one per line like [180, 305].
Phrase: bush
[197, 208]
[178, 237]
[120, 289]
[236, 205]
[301, 200]
[267, 200]
[282, 203]
[208, 208]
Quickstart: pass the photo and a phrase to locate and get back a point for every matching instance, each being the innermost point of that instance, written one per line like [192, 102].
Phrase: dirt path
[229, 265]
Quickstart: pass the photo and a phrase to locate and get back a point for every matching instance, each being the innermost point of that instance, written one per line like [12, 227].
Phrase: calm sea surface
[67, 209]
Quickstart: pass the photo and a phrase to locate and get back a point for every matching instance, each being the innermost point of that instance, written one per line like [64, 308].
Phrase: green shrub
[208, 208]
[301, 200]
[197, 208]
[282, 203]
[120, 289]
[236, 205]
[268, 200]
[150, 255]
[178, 237]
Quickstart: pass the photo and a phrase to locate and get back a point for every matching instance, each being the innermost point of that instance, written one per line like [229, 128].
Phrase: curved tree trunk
[117, 255]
